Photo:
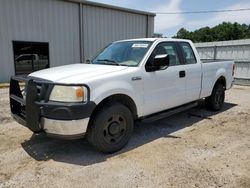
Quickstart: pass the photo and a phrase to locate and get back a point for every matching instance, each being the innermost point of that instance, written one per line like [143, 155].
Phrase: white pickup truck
[139, 79]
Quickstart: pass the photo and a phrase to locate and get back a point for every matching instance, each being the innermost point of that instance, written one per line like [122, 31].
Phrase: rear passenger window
[188, 53]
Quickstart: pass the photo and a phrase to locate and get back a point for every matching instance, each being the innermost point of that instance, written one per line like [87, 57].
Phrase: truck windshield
[126, 53]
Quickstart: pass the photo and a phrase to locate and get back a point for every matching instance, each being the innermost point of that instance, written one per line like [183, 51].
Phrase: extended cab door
[193, 71]
[164, 89]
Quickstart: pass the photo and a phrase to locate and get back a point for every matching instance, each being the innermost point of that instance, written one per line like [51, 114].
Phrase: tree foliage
[221, 32]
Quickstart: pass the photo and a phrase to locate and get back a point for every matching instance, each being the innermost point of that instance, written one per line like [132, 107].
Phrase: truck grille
[39, 91]
[42, 88]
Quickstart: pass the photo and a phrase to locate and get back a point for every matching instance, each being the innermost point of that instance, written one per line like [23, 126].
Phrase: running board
[168, 113]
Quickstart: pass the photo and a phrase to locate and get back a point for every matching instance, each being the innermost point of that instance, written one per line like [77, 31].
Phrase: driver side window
[165, 48]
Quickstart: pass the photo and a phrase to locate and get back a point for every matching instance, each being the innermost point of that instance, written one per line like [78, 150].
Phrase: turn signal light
[79, 92]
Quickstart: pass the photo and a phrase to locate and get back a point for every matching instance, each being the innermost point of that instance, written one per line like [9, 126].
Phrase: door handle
[182, 74]
[136, 78]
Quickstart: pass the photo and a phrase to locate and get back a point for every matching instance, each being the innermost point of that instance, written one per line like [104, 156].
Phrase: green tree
[183, 33]
[220, 32]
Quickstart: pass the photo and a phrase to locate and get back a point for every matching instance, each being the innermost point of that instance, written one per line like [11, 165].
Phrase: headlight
[68, 94]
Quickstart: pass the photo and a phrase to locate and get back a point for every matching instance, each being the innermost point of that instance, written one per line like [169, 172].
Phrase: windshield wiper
[109, 62]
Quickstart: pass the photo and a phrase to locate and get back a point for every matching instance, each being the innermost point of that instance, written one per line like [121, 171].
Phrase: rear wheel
[111, 128]
[216, 100]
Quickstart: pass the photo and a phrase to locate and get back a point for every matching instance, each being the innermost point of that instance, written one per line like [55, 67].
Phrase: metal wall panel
[150, 26]
[242, 70]
[225, 52]
[206, 52]
[75, 30]
[103, 25]
[237, 50]
[56, 22]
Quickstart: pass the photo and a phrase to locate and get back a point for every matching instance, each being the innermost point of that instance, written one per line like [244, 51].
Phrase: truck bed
[214, 60]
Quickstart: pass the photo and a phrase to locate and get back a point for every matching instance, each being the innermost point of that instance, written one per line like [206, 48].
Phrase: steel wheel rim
[219, 97]
[114, 128]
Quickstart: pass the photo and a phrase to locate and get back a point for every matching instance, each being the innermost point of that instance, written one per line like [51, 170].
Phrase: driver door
[164, 89]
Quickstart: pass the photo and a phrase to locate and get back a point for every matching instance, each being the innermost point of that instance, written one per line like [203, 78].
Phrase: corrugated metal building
[237, 50]
[36, 34]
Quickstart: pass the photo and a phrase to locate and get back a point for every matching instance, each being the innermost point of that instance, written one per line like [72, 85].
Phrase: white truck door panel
[163, 89]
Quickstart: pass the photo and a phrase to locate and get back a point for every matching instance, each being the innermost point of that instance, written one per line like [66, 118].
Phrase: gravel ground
[196, 148]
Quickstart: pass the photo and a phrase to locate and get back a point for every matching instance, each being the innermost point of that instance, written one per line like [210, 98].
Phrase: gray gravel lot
[196, 148]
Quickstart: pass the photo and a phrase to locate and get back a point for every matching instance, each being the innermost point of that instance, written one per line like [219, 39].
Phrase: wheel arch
[117, 98]
[213, 102]
[221, 80]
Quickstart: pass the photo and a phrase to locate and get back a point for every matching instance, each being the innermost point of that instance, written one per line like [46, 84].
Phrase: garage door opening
[30, 56]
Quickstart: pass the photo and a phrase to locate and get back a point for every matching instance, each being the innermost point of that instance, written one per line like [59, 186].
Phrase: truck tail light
[233, 70]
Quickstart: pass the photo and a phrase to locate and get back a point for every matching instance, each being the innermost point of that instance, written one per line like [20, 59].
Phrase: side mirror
[88, 61]
[161, 60]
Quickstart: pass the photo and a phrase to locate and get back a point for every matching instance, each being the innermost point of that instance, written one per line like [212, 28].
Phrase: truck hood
[75, 73]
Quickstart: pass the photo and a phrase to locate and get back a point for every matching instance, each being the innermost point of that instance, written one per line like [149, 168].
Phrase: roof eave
[112, 7]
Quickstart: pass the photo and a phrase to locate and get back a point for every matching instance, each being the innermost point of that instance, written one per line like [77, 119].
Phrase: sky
[168, 25]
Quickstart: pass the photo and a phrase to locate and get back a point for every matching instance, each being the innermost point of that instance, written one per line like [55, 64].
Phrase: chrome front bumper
[65, 128]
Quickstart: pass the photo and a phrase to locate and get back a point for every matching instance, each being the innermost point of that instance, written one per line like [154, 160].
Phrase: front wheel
[216, 100]
[111, 128]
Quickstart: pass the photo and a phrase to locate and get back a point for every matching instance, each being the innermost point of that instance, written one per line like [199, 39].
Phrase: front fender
[107, 89]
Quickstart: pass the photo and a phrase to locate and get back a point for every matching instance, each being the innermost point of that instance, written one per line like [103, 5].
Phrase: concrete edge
[242, 81]
[4, 85]
[7, 85]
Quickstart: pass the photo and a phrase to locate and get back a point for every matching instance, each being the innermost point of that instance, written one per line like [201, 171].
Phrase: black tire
[216, 100]
[111, 128]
